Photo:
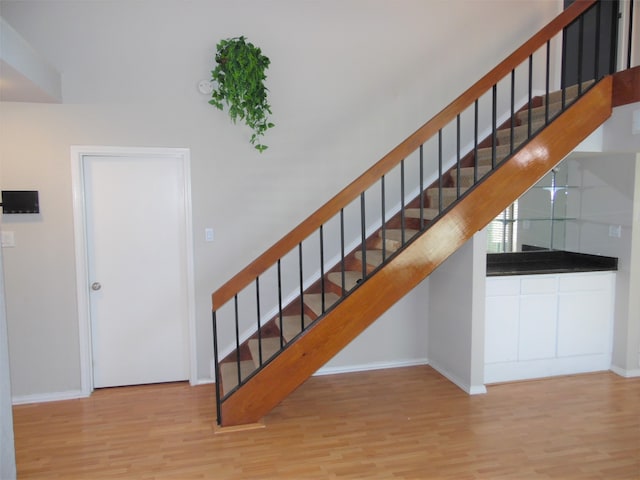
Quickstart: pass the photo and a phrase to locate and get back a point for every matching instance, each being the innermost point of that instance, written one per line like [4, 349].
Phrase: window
[502, 232]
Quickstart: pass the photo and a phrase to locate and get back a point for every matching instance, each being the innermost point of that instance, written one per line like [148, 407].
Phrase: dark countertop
[546, 261]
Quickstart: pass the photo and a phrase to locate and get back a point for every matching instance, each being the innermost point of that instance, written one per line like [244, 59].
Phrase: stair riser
[520, 134]
[484, 155]
[467, 175]
[538, 115]
[449, 195]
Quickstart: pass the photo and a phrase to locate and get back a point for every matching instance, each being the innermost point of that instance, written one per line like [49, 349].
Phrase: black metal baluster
[530, 94]
[457, 156]
[614, 42]
[301, 287]
[216, 362]
[563, 75]
[422, 187]
[258, 315]
[547, 80]
[363, 226]
[494, 121]
[235, 300]
[475, 142]
[439, 171]
[280, 304]
[402, 219]
[596, 60]
[322, 266]
[630, 40]
[513, 112]
[383, 216]
[580, 52]
[342, 264]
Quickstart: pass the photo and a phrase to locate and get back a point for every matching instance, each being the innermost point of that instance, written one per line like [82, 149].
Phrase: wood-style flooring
[401, 423]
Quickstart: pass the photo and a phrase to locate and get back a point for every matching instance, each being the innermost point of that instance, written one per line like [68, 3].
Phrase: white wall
[621, 134]
[396, 339]
[7, 451]
[348, 81]
[456, 315]
[632, 360]
[609, 193]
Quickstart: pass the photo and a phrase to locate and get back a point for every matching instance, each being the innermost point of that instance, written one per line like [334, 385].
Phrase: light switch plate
[615, 231]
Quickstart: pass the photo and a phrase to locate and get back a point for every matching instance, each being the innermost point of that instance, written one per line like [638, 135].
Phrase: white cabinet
[544, 325]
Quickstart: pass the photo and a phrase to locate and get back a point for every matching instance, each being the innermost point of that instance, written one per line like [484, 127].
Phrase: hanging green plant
[238, 82]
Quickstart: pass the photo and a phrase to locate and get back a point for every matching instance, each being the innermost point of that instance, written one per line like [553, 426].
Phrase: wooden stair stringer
[325, 338]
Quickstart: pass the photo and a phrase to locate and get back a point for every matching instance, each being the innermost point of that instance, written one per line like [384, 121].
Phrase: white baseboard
[48, 397]
[470, 389]
[529, 369]
[371, 366]
[203, 381]
[623, 372]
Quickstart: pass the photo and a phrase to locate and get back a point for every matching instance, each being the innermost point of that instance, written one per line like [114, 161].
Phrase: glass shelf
[541, 218]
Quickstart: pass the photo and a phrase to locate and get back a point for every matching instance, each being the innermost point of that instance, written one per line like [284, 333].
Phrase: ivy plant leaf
[239, 77]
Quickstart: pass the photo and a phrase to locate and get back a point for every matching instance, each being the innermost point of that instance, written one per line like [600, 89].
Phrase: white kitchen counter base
[545, 325]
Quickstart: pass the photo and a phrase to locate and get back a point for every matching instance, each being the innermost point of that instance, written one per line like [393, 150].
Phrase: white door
[136, 248]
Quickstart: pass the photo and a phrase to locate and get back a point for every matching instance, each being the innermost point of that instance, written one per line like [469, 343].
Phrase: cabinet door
[538, 327]
[585, 307]
[583, 323]
[501, 329]
[538, 317]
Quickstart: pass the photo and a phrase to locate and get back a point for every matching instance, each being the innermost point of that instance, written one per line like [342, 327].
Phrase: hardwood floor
[401, 423]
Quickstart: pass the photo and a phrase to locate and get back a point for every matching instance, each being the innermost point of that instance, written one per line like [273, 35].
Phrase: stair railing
[344, 242]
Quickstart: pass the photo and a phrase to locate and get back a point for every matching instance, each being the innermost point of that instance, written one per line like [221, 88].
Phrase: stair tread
[314, 301]
[540, 112]
[571, 92]
[351, 279]
[393, 236]
[229, 373]
[270, 346]
[291, 326]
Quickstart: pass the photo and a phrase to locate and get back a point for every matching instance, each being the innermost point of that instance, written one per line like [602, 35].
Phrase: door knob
[96, 286]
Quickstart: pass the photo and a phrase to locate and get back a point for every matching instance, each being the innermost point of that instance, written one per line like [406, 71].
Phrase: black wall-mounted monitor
[20, 201]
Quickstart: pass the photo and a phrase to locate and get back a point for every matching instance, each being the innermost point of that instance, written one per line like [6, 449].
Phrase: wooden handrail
[395, 156]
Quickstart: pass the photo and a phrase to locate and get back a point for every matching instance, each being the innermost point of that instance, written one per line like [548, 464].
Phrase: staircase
[346, 294]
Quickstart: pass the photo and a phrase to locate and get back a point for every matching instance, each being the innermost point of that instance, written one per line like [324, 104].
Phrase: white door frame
[78, 154]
